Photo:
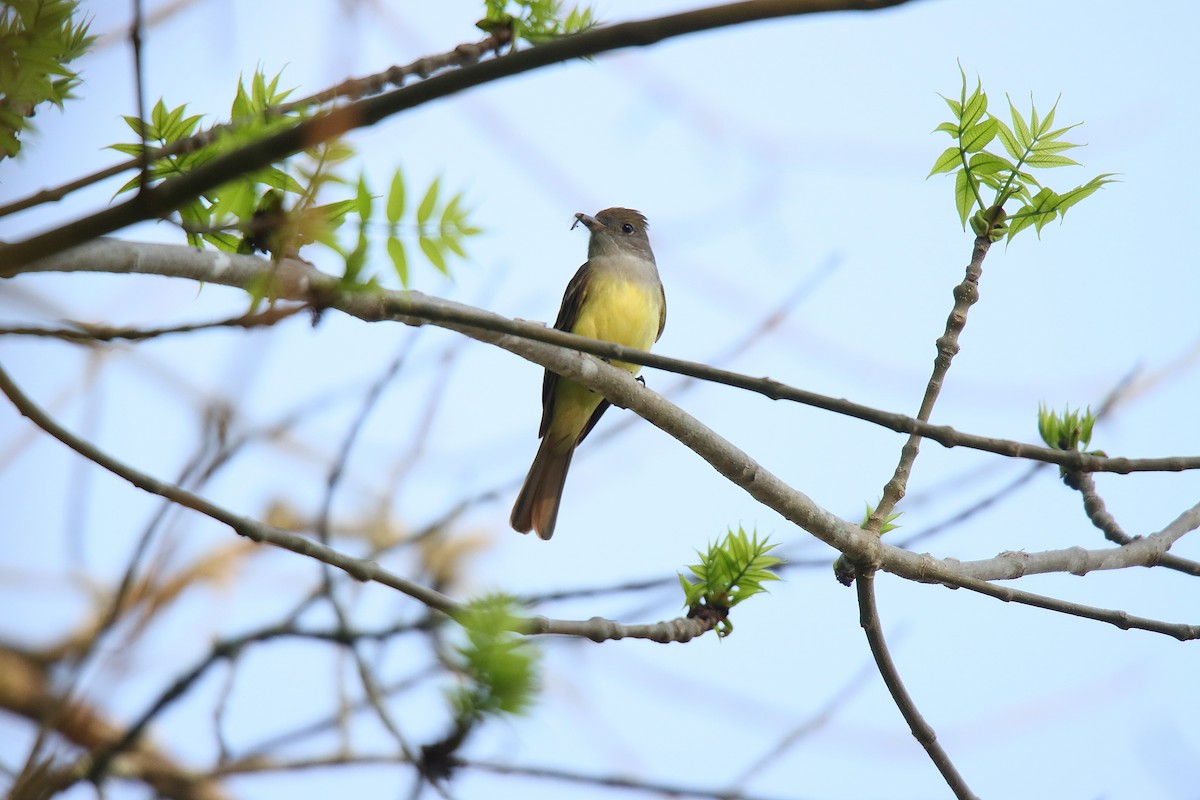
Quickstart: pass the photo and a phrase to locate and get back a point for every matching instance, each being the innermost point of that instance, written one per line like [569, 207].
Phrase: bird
[616, 296]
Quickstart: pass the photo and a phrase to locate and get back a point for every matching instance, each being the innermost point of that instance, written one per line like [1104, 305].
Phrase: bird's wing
[568, 313]
[662, 314]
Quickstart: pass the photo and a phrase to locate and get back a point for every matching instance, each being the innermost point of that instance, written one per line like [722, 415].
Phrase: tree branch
[1097, 512]
[922, 731]
[26, 689]
[354, 89]
[596, 629]
[966, 294]
[298, 281]
[171, 194]
[87, 333]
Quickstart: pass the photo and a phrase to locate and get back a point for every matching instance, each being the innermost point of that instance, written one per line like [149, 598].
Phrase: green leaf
[1022, 129]
[158, 115]
[235, 199]
[1048, 160]
[950, 158]
[278, 179]
[1070, 198]
[425, 210]
[964, 198]
[336, 212]
[226, 242]
[975, 107]
[356, 260]
[1049, 120]
[947, 127]
[1052, 135]
[978, 137]
[453, 242]
[1018, 222]
[363, 201]
[395, 249]
[1070, 430]
[730, 572]
[1008, 139]
[1045, 207]
[1050, 146]
[451, 216]
[431, 250]
[241, 102]
[988, 164]
[395, 199]
[498, 667]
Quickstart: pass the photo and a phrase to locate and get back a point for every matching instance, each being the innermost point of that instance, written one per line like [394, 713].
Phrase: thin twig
[135, 39]
[87, 333]
[301, 282]
[260, 752]
[836, 702]
[922, 731]
[227, 650]
[966, 294]
[1121, 619]
[244, 526]
[608, 781]
[1097, 512]
[352, 89]
[171, 194]
[596, 629]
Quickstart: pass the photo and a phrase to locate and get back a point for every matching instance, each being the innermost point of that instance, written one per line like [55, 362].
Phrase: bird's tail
[537, 503]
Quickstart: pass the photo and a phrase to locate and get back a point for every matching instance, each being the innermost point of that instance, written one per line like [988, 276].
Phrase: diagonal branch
[302, 282]
[922, 731]
[299, 281]
[966, 294]
[353, 89]
[27, 689]
[1097, 512]
[171, 194]
[596, 629]
[88, 333]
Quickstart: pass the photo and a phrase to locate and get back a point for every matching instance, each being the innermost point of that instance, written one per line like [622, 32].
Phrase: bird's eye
[627, 228]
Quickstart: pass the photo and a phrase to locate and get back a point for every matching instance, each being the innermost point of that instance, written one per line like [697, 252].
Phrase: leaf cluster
[1070, 430]
[38, 38]
[275, 209]
[1031, 143]
[731, 571]
[441, 226]
[499, 668]
[535, 21]
[888, 524]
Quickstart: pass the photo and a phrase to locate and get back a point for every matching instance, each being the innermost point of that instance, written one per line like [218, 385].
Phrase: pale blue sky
[761, 155]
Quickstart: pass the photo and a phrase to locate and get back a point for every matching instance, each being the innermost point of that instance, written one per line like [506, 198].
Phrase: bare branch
[299, 281]
[1121, 619]
[88, 333]
[922, 731]
[171, 194]
[26, 689]
[352, 89]
[596, 629]
[1097, 512]
[966, 294]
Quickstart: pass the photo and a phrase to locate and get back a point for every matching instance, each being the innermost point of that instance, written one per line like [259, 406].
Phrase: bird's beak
[589, 222]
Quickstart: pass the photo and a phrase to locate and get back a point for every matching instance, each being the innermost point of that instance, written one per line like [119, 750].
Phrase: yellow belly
[616, 310]
[623, 312]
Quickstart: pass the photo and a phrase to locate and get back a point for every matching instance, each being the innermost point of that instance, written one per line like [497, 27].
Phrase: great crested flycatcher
[615, 296]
